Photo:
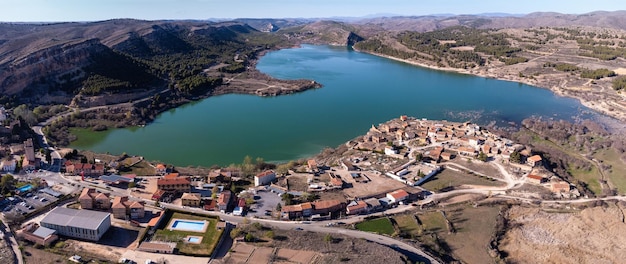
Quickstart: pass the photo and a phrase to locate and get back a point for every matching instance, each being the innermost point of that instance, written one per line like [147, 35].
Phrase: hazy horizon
[98, 10]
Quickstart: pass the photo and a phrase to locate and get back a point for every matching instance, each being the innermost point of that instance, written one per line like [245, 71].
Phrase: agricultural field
[472, 231]
[450, 178]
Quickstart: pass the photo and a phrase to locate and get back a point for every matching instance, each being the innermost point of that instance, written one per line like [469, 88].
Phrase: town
[167, 216]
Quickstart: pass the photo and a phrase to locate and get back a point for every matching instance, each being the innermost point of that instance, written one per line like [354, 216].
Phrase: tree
[27, 115]
[482, 156]
[283, 169]
[235, 232]
[309, 197]
[418, 156]
[214, 192]
[249, 237]
[515, 157]
[7, 184]
[247, 168]
[233, 188]
[48, 156]
[132, 184]
[269, 234]
[287, 198]
[279, 207]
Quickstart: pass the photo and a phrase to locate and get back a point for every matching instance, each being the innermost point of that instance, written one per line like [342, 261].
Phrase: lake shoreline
[560, 91]
[306, 139]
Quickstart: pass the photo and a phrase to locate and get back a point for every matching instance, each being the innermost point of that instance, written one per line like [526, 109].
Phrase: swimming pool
[25, 188]
[188, 225]
[193, 239]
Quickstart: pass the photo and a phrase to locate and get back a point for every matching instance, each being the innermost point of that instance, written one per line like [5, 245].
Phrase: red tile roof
[265, 174]
[166, 181]
[535, 158]
[399, 194]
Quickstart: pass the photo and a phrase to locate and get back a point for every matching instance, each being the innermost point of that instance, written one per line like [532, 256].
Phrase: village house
[398, 196]
[356, 207]
[534, 161]
[91, 199]
[373, 204]
[38, 234]
[348, 165]
[264, 178]
[296, 211]
[467, 151]
[536, 179]
[336, 182]
[446, 156]
[223, 201]
[158, 194]
[122, 207]
[29, 156]
[69, 167]
[191, 199]
[8, 165]
[160, 169]
[174, 183]
[220, 176]
[327, 206]
[312, 165]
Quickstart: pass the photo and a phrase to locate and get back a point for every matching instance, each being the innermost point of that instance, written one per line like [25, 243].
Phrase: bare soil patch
[593, 235]
[39, 256]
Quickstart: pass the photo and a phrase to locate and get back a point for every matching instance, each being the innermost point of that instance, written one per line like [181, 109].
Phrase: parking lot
[267, 201]
[27, 203]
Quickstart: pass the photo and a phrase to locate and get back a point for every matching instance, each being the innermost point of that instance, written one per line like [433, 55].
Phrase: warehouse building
[82, 224]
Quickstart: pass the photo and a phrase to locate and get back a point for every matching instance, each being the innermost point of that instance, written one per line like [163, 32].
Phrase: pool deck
[173, 221]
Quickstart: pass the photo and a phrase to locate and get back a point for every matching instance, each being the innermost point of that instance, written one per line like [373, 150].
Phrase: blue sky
[92, 10]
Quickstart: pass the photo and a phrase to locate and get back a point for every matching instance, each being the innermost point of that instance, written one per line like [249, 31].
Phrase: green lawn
[379, 225]
[209, 238]
[591, 177]
[433, 222]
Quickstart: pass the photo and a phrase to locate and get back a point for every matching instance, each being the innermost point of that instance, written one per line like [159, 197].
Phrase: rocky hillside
[53, 63]
[613, 20]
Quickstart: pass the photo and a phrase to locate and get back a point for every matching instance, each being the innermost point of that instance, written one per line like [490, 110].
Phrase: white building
[390, 151]
[264, 178]
[83, 224]
[8, 165]
[398, 196]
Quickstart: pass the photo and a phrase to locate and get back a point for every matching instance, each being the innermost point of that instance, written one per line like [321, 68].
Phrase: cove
[359, 90]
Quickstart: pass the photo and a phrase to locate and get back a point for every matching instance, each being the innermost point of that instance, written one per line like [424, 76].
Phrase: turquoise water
[359, 90]
[25, 188]
[188, 225]
[193, 239]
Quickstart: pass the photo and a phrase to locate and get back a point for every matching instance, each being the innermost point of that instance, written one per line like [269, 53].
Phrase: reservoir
[358, 90]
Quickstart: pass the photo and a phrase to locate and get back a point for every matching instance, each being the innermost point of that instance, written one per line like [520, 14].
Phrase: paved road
[320, 227]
